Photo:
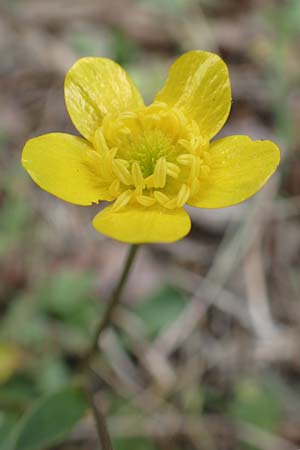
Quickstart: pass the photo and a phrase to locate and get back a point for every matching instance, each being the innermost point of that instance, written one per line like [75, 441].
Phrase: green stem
[113, 301]
[104, 323]
[100, 421]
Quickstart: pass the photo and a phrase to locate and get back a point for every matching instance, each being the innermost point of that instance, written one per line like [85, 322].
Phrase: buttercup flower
[149, 160]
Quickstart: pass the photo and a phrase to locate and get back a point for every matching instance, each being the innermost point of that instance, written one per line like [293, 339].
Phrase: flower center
[146, 149]
[151, 156]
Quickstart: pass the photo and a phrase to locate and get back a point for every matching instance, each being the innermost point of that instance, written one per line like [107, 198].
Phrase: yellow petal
[239, 168]
[95, 87]
[60, 164]
[138, 224]
[199, 85]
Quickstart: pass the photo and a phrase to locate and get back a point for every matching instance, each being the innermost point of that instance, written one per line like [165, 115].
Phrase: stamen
[122, 200]
[112, 152]
[160, 173]
[195, 141]
[202, 145]
[128, 115]
[156, 117]
[160, 105]
[94, 156]
[145, 151]
[171, 204]
[149, 121]
[121, 171]
[180, 116]
[204, 170]
[206, 156]
[161, 198]
[105, 168]
[185, 144]
[193, 128]
[173, 170]
[149, 181]
[137, 175]
[125, 130]
[183, 195]
[195, 186]
[144, 200]
[100, 142]
[195, 168]
[186, 159]
[114, 188]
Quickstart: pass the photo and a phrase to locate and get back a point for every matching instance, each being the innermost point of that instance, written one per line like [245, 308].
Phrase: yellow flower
[149, 160]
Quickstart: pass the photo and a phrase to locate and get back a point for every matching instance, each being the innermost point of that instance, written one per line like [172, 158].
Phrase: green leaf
[161, 309]
[67, 294]
[53, 374]
[7, 424]
[123, 48]
[67, 297]
[17, 392]
[131, 443]
[257, 403]
[50, 420]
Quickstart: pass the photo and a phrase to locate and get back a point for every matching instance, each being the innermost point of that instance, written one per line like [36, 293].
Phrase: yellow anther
[108, 129]
[139, 191]
[195, 168]
[204, 170]
[114, 188]
[173, 170]
[111, 153]
[180, 116]
[159, 105]
[137, 175]
[160, 173]
[161, 198]
[121, 171]
[128, 115]
[171, 124]
[182, 195]
[171, 204]
[144, 200]
[94, 156]
[149, 121]
[105, 166]
[195, 127]
[149, 181]
[203, 145]
[99, 141]
[206, 156]
[196, 141]
[185, 144]
[125, 130]
[186, 159]
[122, 200]
[195, 186]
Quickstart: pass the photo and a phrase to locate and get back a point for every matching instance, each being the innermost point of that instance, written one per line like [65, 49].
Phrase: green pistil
[147, 148]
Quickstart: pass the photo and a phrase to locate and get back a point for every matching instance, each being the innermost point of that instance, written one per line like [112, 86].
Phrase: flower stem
[104, 323]
[100, 421]
[113, 302]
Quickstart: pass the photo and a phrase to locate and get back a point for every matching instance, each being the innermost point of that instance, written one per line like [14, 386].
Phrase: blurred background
[204, 353]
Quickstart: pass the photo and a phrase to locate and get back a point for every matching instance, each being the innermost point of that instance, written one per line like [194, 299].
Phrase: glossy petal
[60, 164]
[199, 85]
[239, 168]
[143, 224]
[95, 87]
